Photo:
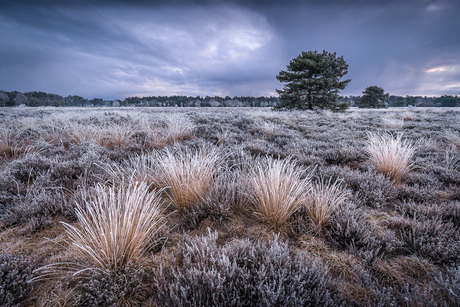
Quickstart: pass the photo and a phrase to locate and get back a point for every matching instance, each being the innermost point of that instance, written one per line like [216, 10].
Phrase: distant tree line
[42, 99]
[410, 101]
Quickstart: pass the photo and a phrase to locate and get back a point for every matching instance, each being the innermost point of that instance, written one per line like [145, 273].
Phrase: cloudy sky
[116, 49]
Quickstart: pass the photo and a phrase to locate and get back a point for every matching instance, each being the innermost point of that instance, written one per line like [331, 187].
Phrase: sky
[117, 49]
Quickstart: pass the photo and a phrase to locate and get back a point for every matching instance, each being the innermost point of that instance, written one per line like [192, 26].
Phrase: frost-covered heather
[378, 238]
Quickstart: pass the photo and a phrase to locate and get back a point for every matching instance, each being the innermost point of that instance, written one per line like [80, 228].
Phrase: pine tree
[313, 81]
[374, 97]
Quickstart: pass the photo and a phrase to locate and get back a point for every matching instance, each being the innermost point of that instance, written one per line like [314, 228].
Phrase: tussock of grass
[277, 190]
[452, 137]
[116, 136]
[117, 226]
[325, 198]
[392, 123]
[83, 133]
[187, 175]
[390, 155]
[179, 128]
[138, 168]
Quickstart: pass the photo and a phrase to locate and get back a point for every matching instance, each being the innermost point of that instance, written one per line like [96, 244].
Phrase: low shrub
[124, 287]
[244, 274]
[449, 284]
[352, 229]
[430, 238]
[29, 167]
[37, 208]
[373, 189]
[15, 274]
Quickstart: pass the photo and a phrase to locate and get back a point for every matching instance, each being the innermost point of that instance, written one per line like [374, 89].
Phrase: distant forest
[42, 99]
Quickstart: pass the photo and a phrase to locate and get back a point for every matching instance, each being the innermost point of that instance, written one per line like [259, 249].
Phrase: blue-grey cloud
[119, 48]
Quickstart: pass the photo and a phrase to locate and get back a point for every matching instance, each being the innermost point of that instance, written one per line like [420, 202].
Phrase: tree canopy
[313, 81]
[374, 97]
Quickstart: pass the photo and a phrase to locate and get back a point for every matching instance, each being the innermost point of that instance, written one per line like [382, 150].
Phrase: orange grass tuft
[277, 190]
[326, 197]
[186, 175]
[117, 227]
[390, 155]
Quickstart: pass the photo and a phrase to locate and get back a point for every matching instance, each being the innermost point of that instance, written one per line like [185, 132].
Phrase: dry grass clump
[116, 136]
[7, 136]
[179, 128]
[84, 133]
[13, 144]
[265, 127]
[117, 226]
[392, 123]
[223, 135]
[325, 198]
[187, 175]
[390, 155]
[277, 190]
[136, 168]
[453, 138]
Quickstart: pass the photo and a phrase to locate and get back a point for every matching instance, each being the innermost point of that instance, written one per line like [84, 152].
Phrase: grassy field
[229, 207]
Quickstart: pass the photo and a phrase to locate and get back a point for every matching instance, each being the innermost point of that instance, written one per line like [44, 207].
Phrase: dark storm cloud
[119, 48]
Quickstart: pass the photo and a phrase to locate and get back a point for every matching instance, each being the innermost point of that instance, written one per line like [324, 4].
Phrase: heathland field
[229, 207]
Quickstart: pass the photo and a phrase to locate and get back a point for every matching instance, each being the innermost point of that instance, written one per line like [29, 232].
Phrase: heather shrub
[37, 207]
[373, 189]
[416, 193]
[369, 290]
[9, 191]
[444, 212]
[342, 154]
[448, 176]
[352, 229]
[244, 274]
[123, 287]
[366, 290]
[409, 281]
[29, 167]
[80, 163]
[15, 274]
[449, 284]
[430, 238]
[448, 212]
